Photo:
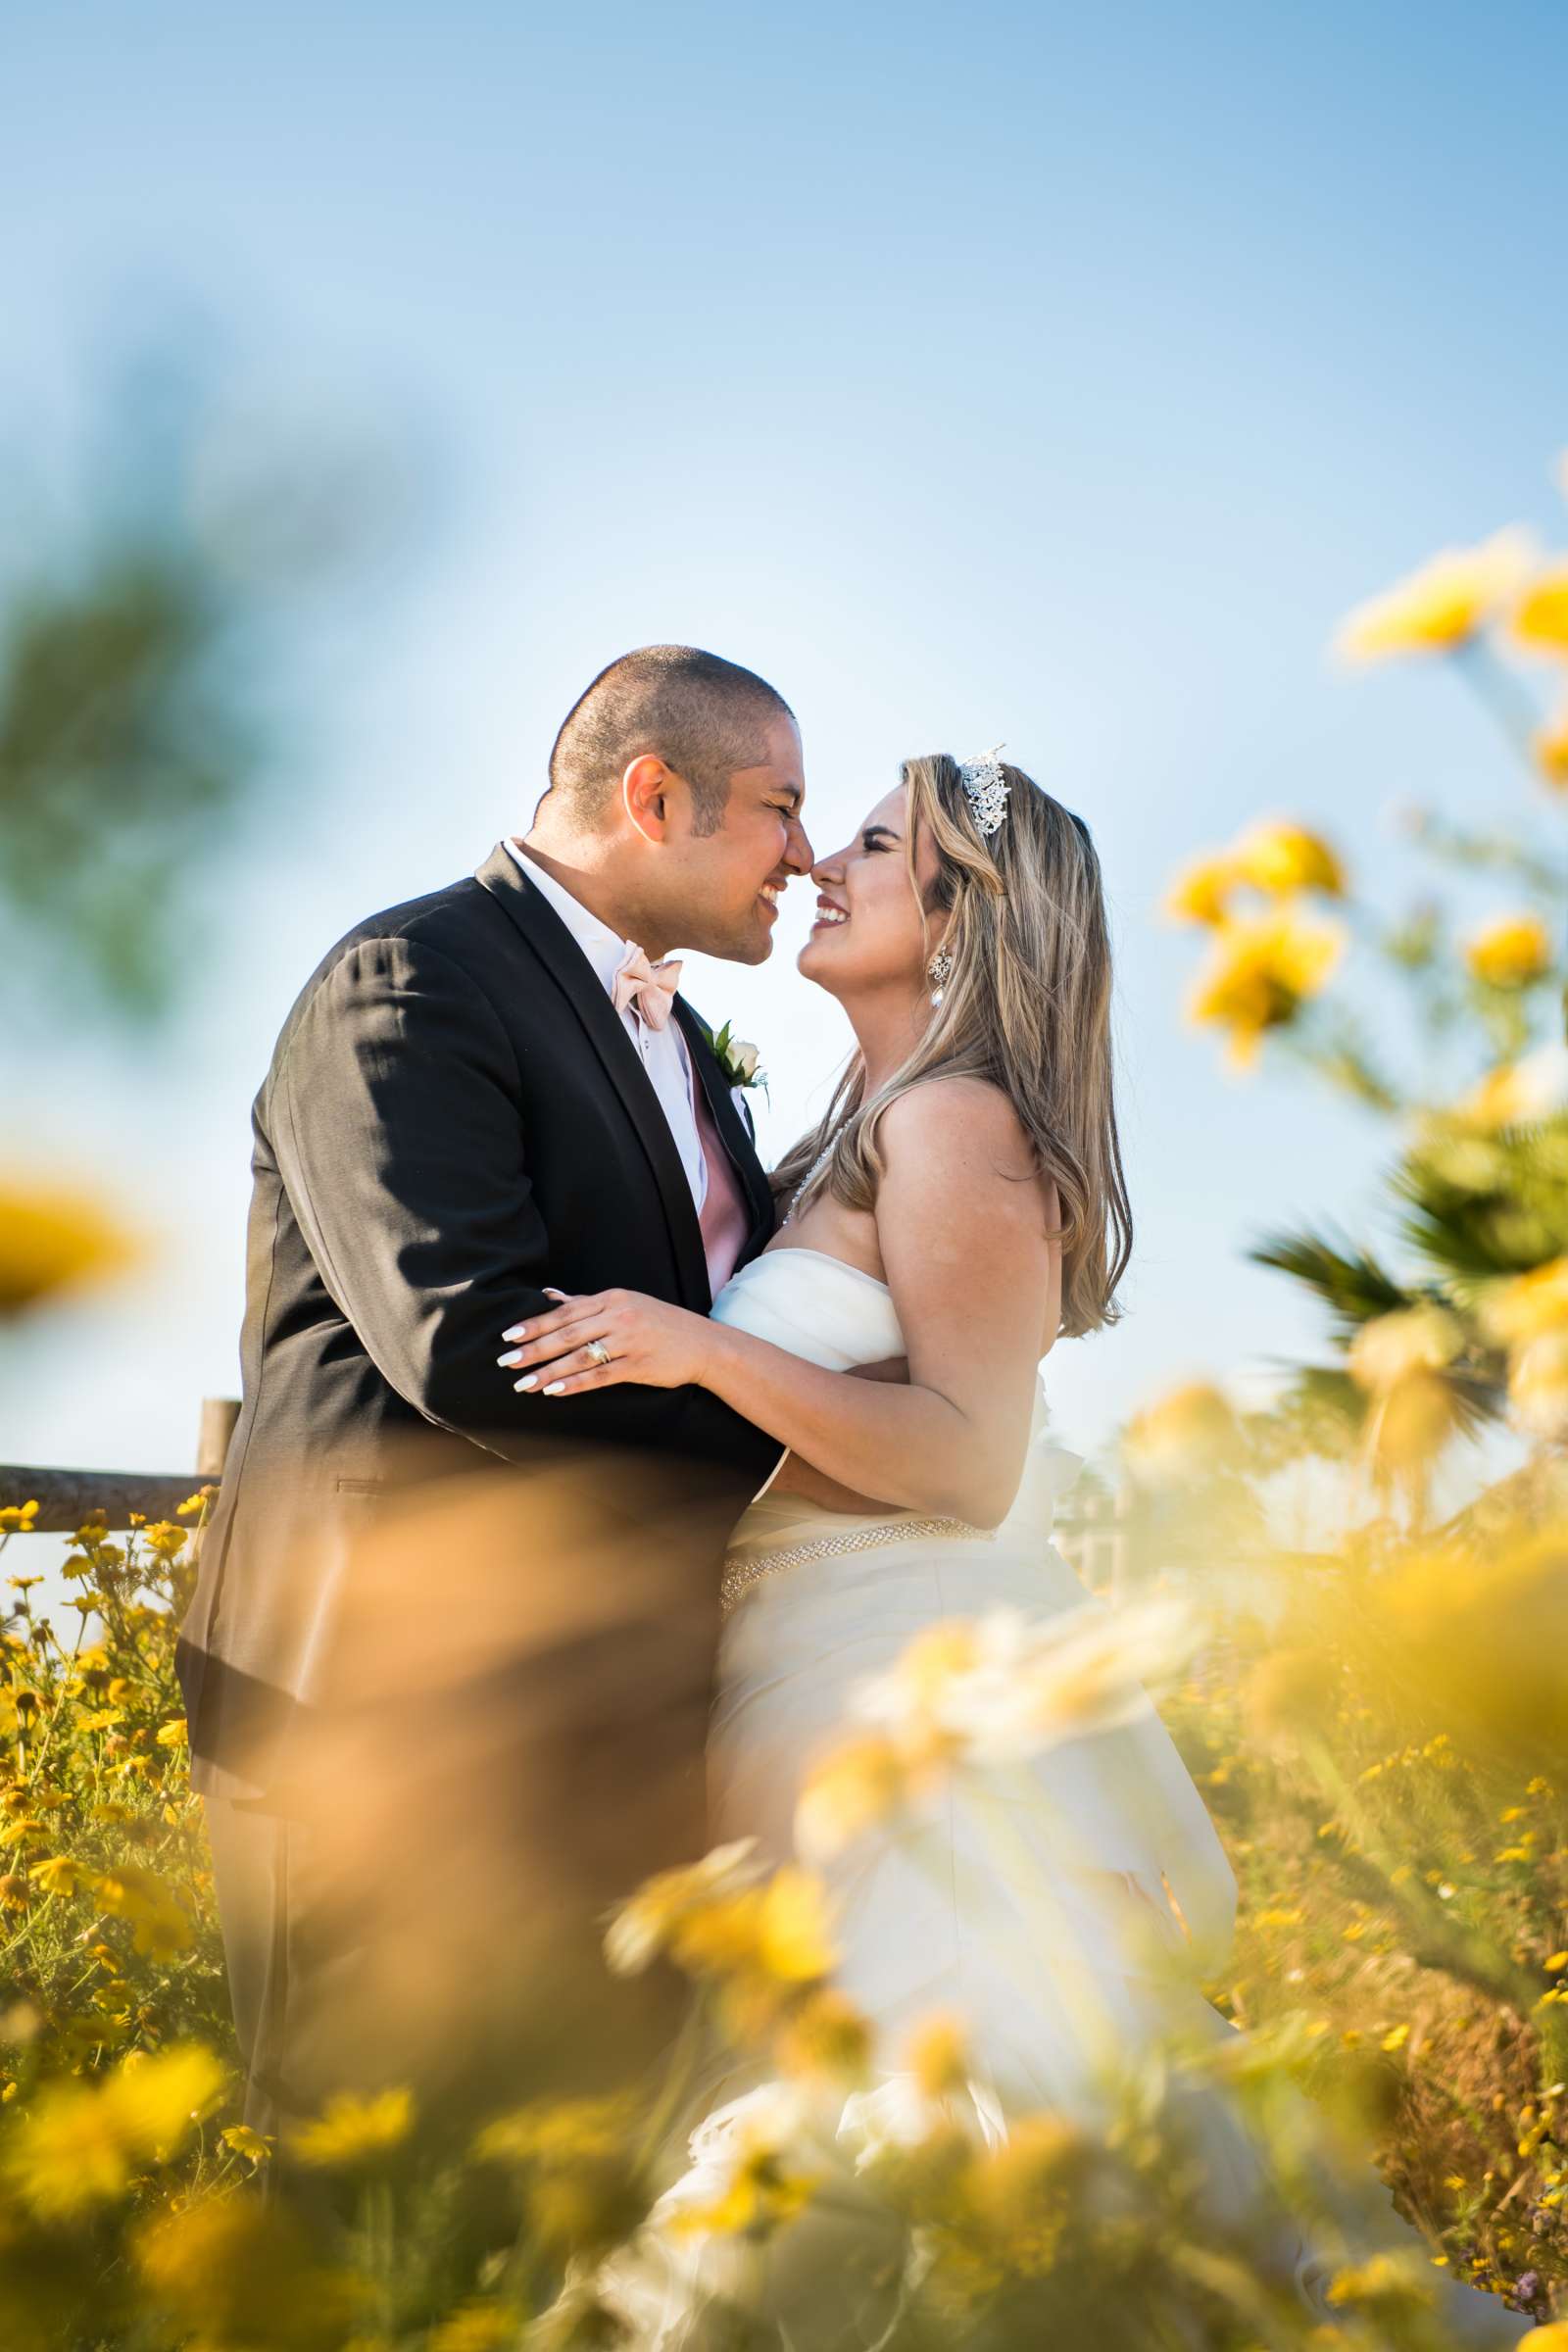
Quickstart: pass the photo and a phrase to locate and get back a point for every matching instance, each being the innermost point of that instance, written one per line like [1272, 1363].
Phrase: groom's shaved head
[703, 716]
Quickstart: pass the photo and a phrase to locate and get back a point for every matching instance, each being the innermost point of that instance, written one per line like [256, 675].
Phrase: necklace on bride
[811, 1175]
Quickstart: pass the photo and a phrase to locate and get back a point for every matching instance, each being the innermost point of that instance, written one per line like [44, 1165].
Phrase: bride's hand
[658, 1347]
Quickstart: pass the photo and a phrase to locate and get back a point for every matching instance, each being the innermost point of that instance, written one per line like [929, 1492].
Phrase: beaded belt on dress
[741, 1569]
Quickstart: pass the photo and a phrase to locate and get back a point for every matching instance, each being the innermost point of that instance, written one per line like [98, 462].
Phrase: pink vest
[725, 1218]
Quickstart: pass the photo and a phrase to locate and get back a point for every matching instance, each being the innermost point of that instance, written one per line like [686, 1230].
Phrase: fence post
[219, 1416]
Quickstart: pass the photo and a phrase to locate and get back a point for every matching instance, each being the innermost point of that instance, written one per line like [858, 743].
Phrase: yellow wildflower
[1261, 969]
[165, 1540]
[937, 2053]
[1382, 2280]
[1555, 1960]
[1281, 858]
[61, 1874]
[53, 1241]
[826, 2034]
[76, 2144]
[1414, 1339]
[1540, 618]
[1396, 2037]
[173, 1734]
[1186, 1433]
[353, 2131]
[1537, 1385]
[160, 1925]
[1201, 890]
[1439, 606]
[1550, 746]
[255, 2147]
[747, 2179]
[13, 1892]
[858, 1783]
[1511, 952]
[647, 1923]
[17, 1518]
[235, 2270]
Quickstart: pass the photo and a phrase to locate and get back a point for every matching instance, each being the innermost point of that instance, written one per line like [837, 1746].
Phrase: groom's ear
[645, 792]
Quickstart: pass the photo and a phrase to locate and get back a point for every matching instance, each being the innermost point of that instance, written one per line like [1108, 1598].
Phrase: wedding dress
[924, 1918]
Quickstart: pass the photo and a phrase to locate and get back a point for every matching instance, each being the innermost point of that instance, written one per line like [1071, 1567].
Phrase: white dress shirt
[662, 1051]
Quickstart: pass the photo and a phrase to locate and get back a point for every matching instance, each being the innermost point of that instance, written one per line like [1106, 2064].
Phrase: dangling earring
[939, 971]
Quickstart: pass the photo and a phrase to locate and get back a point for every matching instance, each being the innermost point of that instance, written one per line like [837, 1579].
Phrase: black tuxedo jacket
[453, 1116]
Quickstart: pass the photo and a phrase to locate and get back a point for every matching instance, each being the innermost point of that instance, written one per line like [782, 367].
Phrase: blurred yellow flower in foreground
[983, 1691]
[1475, 1640]
[1527, 1306]
[236, 2271]
[1413, 1339]
[354, 2130]
[1537, 1385]
[1441, 604]
[1281, 858]
[662, 1906]
[52, 1242]
[1201, 890]
[1185, 1433]
[1517, 1092]
[1550, 749]
[1540, 619]
[1261, 971]
[76, 2144]
[1509, 952]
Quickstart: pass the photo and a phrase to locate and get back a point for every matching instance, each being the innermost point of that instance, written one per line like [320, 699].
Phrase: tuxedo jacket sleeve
[394, 1116]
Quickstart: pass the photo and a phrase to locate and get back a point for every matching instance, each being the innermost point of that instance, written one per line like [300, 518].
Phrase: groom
[478, 1094]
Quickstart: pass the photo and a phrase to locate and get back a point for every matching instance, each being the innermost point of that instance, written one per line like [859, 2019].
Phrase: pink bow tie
[648, 987]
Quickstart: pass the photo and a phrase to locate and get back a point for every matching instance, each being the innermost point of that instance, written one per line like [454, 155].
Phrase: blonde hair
[1027, 1007]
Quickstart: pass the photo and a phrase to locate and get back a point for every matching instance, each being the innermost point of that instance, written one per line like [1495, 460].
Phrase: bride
[961, 1205]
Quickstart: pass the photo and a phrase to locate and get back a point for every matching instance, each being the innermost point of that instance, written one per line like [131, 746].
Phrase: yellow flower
[1413, 1339]
[160, 1925]
[861, 1781]
[234, 2270]
[59, 1875]
[1550, 749]
[76, 2144]
[1537, 1385]
[51, 1242]
[1382, 2280]
[350, 2131]
[1511, 952]
[794, 1944]
[1540, 619]
[938, 2056]
[1396, 2037]
[478, 2327]
[1282, 858]
[648, 1924]
[747, 2179]
[1186, 1433]
[1261, 971]
[1518, 1093]
[17, 1518]
[165, 1540]
[1526, 1306]
[826, 2035]
[173, 1734]
[1201, 890]
[255, 2147]
[1441, 604]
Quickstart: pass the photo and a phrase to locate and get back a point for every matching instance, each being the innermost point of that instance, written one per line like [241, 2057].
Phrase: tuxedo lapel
[731, 1127]
[579, 985]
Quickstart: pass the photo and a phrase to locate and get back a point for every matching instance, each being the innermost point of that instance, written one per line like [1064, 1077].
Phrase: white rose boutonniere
[741, 1063]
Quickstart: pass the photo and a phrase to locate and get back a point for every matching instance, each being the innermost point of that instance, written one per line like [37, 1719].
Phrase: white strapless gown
[924, 1918]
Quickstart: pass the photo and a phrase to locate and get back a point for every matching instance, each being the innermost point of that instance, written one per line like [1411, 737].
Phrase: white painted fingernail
[550, 1293]
[519, 1331]
[511, 1360]
[531, 1381]
[555, 1387]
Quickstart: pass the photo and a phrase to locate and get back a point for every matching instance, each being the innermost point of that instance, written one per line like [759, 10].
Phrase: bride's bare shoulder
[960, 1120]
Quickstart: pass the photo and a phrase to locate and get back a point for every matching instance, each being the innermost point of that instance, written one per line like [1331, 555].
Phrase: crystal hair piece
[986, 789]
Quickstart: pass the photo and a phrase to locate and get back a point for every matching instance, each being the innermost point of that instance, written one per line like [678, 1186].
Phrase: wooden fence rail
[66, 1497]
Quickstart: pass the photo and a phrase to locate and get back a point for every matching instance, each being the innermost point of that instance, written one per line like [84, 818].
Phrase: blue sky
[1037, 373]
